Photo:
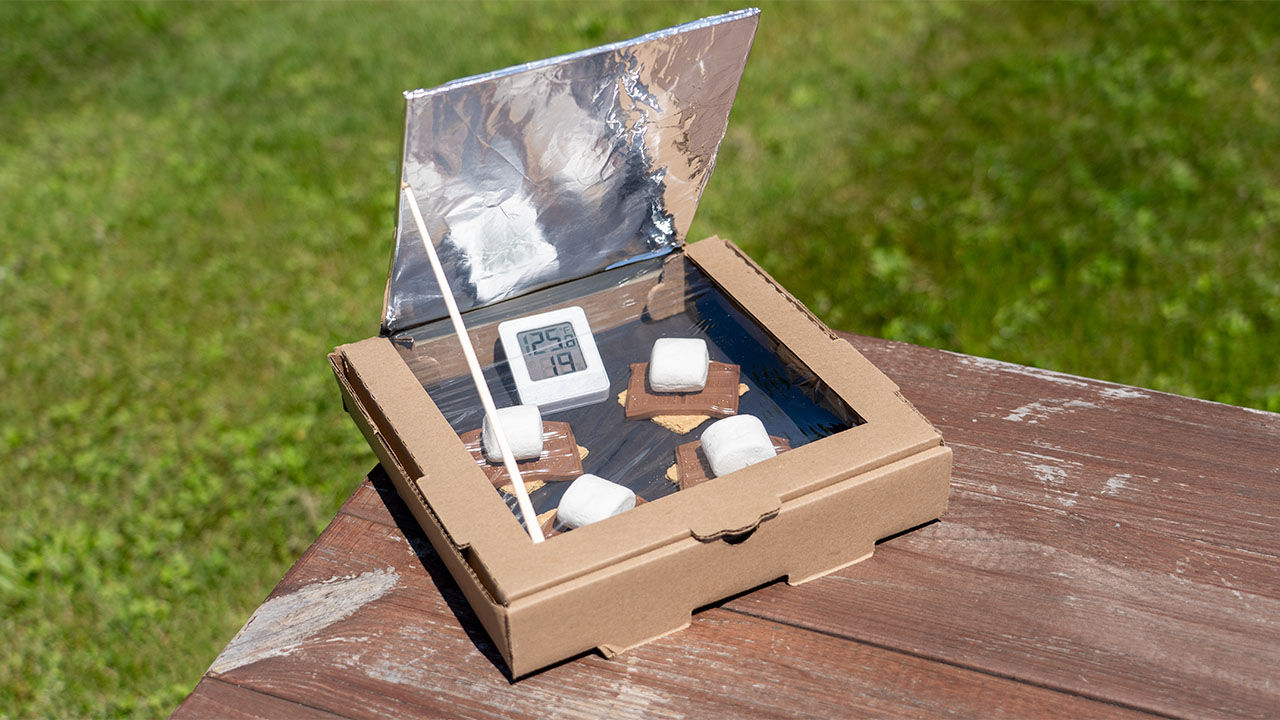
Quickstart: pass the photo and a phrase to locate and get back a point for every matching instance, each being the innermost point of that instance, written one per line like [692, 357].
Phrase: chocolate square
[559, 461]
[693, 469]
[719, 398]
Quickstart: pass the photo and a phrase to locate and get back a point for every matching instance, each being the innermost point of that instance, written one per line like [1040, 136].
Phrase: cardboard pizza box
[570, 183]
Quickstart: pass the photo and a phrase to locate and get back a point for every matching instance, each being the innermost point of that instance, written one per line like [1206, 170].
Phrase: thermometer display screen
[551, 351]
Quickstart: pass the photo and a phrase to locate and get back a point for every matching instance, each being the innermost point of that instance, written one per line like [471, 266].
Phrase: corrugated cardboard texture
[638, 575]
[651, 595]
[492, 615]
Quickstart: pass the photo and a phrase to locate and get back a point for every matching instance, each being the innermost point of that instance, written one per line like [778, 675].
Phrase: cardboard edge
[801, 581]
[459, 489]
[712, 248]
[612, 651]
[831, 358]
[831, 529]
[731, 533]
[703, 251]
[491, 613]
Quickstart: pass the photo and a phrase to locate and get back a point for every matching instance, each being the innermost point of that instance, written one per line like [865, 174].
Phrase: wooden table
[1109, 551]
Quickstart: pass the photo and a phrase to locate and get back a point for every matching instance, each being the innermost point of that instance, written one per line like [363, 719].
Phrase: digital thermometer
[554, 360]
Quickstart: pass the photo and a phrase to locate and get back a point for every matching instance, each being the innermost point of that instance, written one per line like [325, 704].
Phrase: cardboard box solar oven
[570, 183]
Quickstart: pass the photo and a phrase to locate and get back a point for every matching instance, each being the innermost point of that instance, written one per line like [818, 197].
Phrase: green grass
[196, 205]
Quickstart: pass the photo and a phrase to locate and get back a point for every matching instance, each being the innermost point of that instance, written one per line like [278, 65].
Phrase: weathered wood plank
[1055, 599]
[405, 645]
[1067, 563]
[217, 699]
[1039, 607]
[1195, 469]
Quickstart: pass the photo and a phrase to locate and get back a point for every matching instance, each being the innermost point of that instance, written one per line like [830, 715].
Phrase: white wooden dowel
[477, 374]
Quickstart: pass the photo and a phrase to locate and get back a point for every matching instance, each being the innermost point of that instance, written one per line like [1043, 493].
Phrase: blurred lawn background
[196, 204]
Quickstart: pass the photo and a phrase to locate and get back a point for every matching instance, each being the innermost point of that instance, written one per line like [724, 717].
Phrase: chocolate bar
[560, 459]
[718, 399]
[693, 469]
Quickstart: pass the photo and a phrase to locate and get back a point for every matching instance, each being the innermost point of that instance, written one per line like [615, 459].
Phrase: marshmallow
[522, 425]
[678, 365]
[736, 442]
[591, 498]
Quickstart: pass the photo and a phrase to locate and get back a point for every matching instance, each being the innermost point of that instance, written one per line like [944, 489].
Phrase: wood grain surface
[1109, 551]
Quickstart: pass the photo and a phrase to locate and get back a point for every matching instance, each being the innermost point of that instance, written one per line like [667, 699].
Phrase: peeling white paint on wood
[1122, 393]
[1052, 474]
[1050, 458]
[1007, 367]
[1109, 390]
[1048, 474]
[1116, 483]
[1044, 408]
[1031, 408]
[283, 624]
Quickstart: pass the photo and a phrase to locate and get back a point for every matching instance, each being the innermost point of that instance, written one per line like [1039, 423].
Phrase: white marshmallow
[678, 365]
[736, 442]
[590, 499]
[523, 427]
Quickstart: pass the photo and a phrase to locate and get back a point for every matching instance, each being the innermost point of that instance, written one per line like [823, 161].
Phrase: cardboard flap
[542, 173]
[735, 517]
[388, 390]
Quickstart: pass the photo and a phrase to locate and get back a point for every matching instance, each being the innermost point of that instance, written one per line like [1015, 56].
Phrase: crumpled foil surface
[557, 169]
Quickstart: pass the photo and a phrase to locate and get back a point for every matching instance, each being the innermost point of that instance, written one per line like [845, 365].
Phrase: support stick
[486, 399]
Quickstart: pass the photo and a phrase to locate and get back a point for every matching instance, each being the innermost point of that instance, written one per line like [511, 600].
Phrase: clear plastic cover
[628, 308]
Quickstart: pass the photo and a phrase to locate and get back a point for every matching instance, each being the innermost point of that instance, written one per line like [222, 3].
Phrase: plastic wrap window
[628, 309]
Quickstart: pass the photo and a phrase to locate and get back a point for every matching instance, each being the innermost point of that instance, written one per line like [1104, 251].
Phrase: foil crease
[551, 171]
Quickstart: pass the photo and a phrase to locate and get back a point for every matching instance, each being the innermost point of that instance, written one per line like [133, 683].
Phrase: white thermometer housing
[554, 360]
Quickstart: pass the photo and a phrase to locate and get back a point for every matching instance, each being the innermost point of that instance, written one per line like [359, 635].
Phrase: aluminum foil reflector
[557, 169]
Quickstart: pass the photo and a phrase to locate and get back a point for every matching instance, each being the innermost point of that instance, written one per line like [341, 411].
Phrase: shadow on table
[434, 566]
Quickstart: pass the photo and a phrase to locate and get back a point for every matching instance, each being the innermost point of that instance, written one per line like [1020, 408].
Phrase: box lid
[553, 170]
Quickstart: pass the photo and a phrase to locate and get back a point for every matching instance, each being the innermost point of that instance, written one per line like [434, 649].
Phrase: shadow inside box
[435, 567]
